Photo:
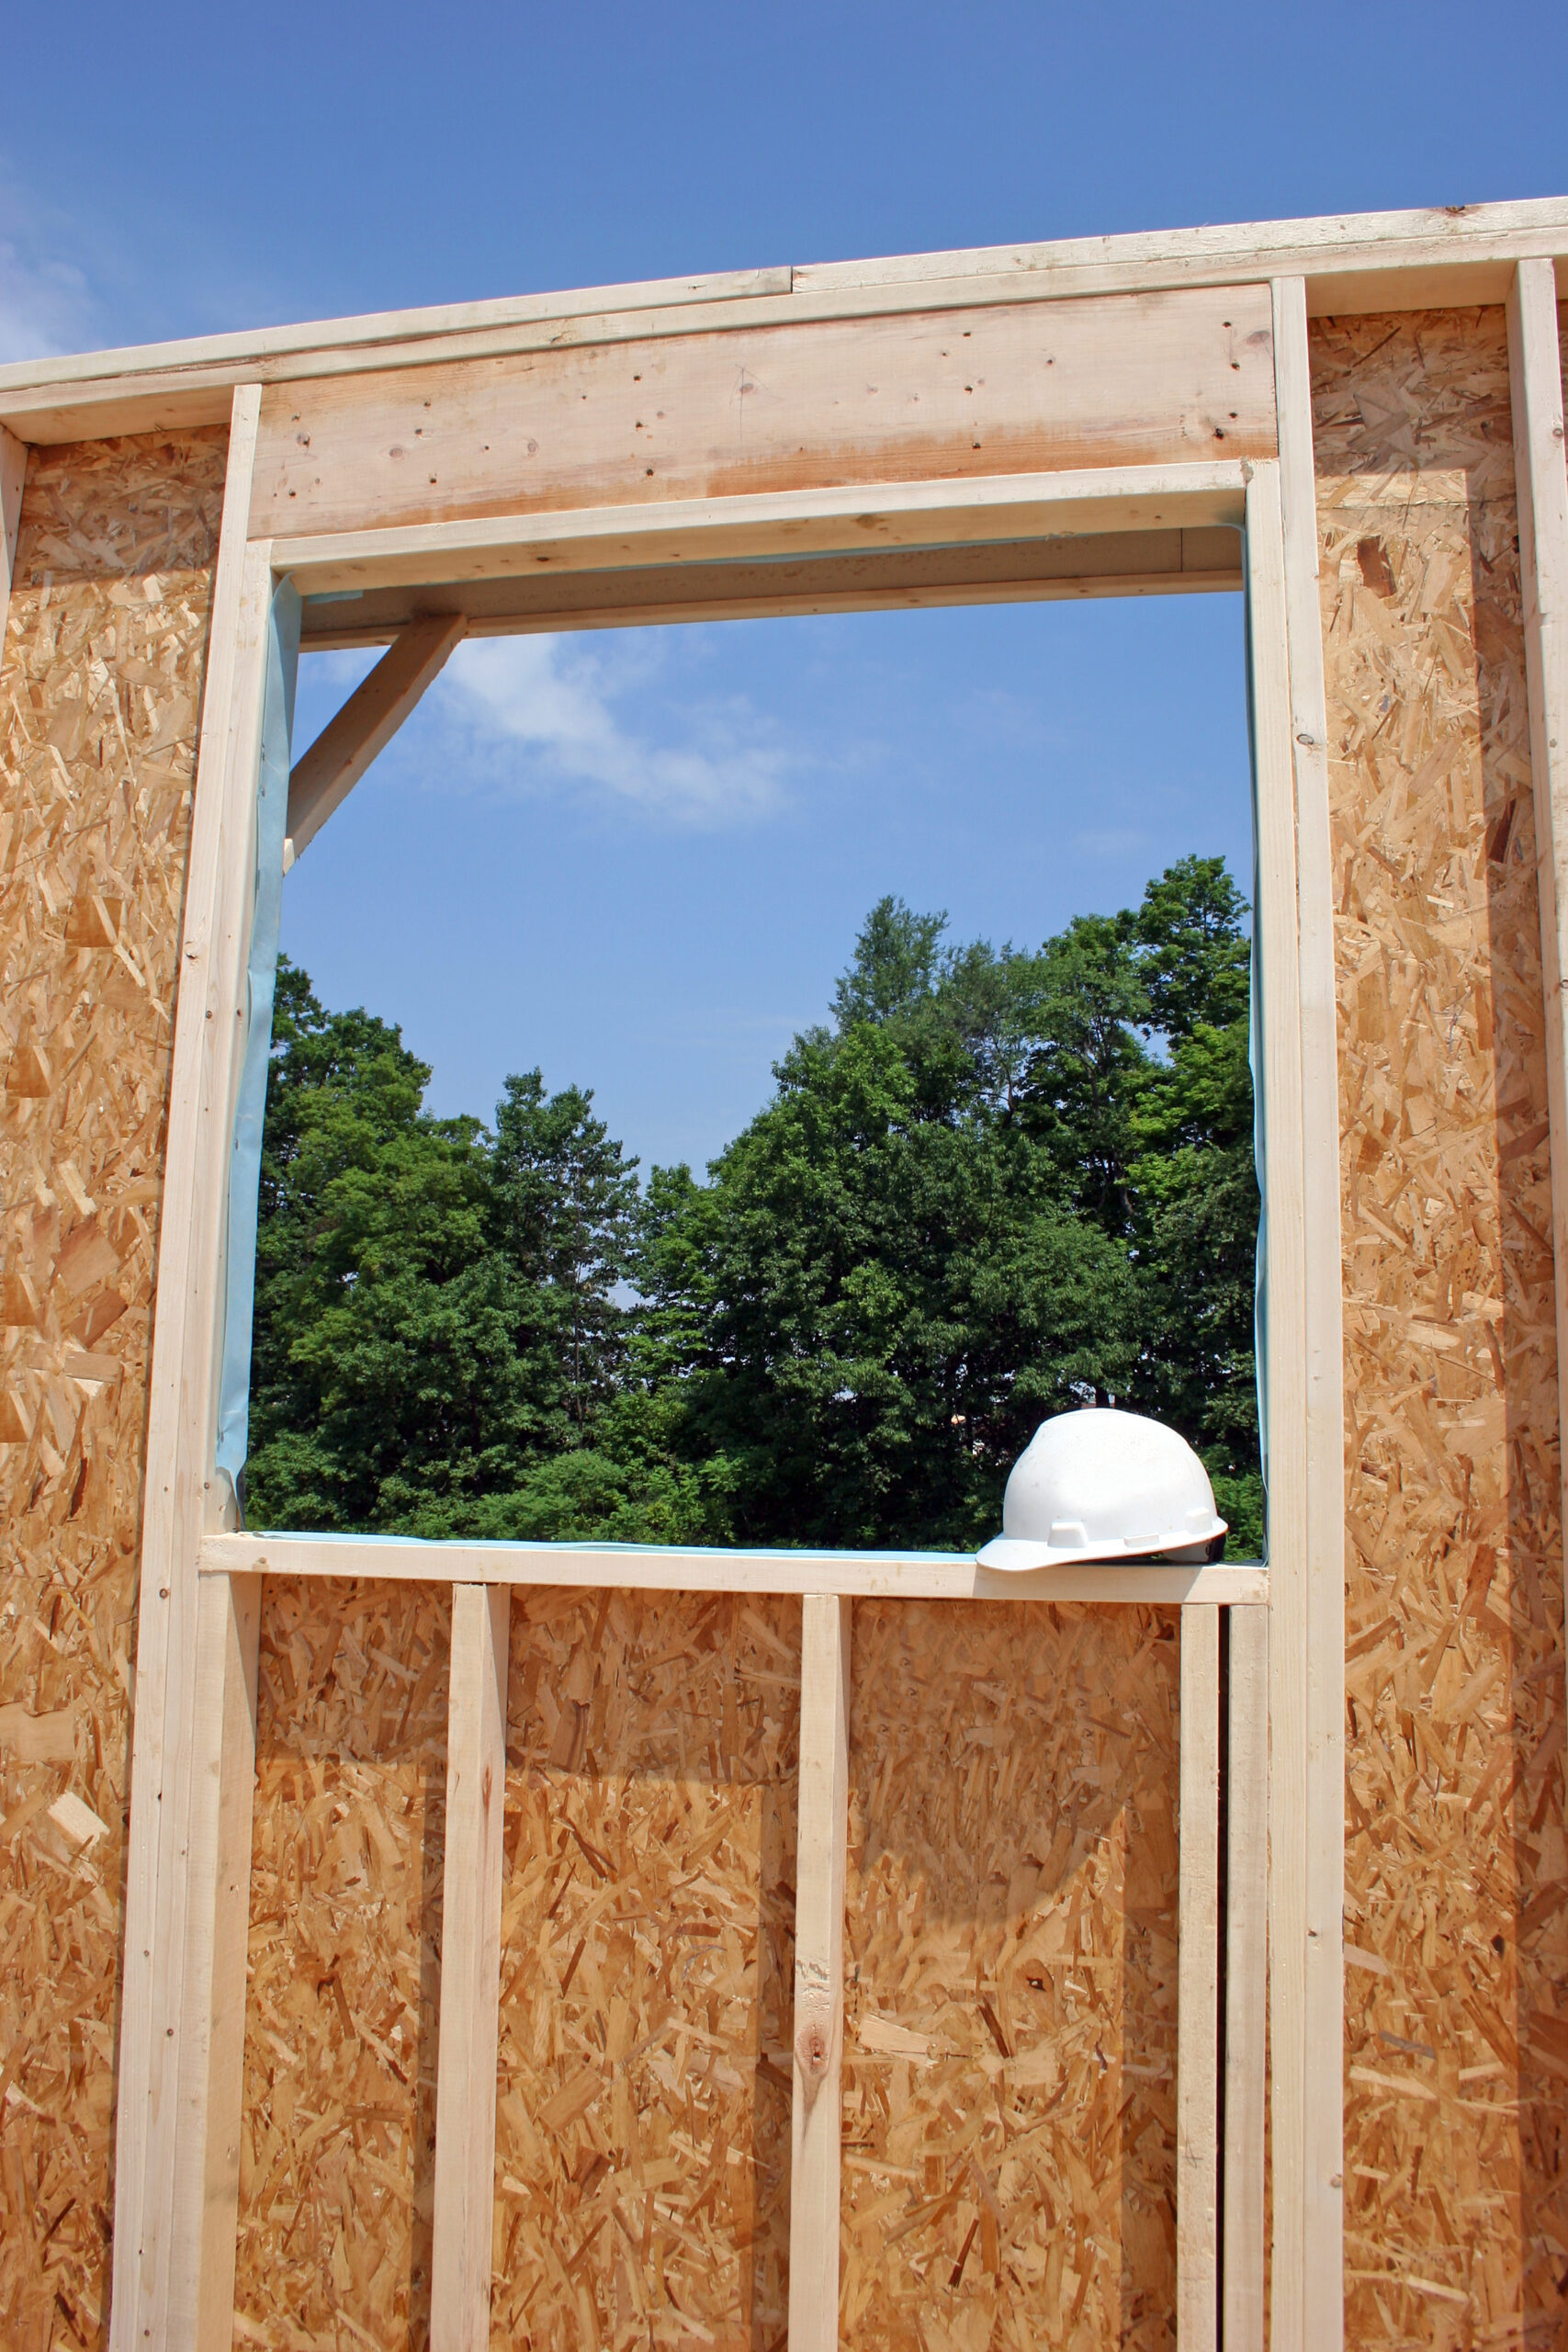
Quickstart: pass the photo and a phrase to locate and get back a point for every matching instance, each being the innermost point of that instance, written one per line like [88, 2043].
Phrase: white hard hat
[1102, 1485]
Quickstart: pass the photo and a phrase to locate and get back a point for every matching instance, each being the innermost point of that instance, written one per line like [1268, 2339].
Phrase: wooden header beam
[1108, 563]
[1358, 262]
[769, 526]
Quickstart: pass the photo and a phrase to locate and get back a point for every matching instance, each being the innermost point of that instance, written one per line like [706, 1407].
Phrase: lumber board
[1324, 1370]
[470, 1970]
[96, 801]
[1276, 950]
[1127, 379]
[1329, 251]
[228, 1643]
[1198, 2004]
[1540, 474]
[1246, 1978]
[371, 330]
[1011, 1979]
[914, 1575]
[1454, 1693]
[1103, 563]
[324, 776]
[817, 2036]
[1351, 264]
[168, 1952]
[1073, 502]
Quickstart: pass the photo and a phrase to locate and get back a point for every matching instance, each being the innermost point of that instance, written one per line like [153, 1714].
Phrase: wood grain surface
[1129, 379]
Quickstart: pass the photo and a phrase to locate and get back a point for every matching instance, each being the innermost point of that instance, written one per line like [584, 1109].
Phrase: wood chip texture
[100, 686]
[338, 2134]
[1009, 2125]
[643, 2124]
[1456, 1864]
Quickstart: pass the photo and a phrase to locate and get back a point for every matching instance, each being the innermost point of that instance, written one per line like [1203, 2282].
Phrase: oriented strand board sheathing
[1010, 2048]
[342, 2003]
[643, 2130]
[99, 692]
[1456, 1862]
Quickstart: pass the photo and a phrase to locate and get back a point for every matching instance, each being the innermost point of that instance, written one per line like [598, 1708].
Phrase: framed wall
[1087, 455]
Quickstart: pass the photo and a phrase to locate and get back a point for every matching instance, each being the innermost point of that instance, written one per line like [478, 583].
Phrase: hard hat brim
[1017, 1553]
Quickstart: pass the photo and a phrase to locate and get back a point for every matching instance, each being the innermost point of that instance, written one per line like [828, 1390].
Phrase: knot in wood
[814, 2048]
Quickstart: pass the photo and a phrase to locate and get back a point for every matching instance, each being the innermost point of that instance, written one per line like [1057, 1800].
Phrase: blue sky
[639, 859]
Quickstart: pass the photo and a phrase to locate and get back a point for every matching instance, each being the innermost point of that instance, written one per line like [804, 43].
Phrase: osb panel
[1010, 2031]
[642, 2139]
[1456, 1864]
[1008, 387]
[343, 1998]
[99, 690]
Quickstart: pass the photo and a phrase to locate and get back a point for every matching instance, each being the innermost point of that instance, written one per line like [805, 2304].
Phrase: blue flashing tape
[1255, 1058]
[261, 987]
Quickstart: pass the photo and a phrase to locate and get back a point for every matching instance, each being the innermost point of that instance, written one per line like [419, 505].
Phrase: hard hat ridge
[1102, 1484]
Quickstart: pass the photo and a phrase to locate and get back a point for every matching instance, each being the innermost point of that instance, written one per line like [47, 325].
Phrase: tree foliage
[998, 1183]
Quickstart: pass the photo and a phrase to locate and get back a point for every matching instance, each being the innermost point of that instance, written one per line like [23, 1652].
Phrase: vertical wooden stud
[470, 1970]
[821, 1859]
[166, 1999]
[1541, 471]
[228, 1646]
[1198, 1999]
[1275, 949]
[1323, 2313]
[1246, 1983]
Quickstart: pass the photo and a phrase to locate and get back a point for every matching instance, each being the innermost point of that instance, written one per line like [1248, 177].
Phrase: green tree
[1196, 1182]
[385, 1388]
[564, 1212]
[999, 1183]
[893, 1295]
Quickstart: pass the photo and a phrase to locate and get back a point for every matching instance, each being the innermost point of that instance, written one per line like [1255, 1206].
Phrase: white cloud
[45, 306]
[548, 705]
